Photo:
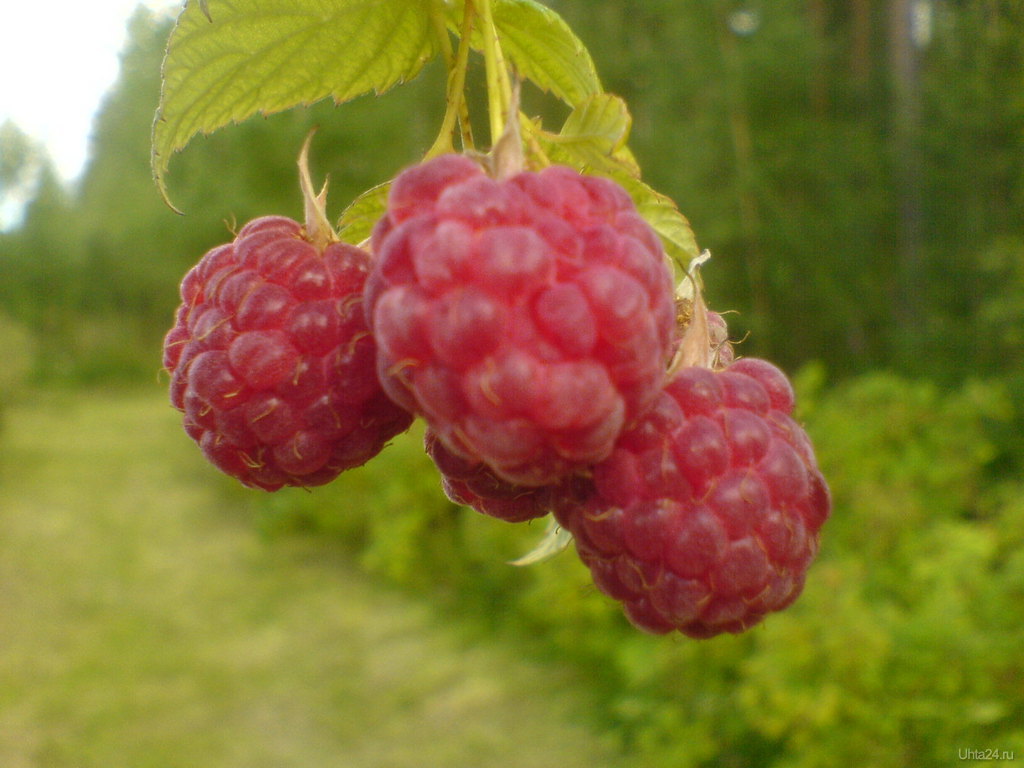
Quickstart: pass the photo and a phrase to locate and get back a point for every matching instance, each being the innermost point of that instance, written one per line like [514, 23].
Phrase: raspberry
[706, 516]
[527, 320]
[718, 336]
[475, 485]
[271, 361]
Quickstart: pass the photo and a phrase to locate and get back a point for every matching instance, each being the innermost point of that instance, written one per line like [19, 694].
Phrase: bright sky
[57, 60]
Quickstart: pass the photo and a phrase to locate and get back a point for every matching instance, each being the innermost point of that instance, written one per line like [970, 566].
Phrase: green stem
[499, 88]
[457, 109]
[466, 127]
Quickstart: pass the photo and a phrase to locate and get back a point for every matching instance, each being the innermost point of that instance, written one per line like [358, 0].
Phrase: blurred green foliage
[18, 349]
[867, 223]
[904, 648]
[147, 623]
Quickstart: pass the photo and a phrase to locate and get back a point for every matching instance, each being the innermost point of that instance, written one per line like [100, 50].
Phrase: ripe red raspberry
[528, 320]
[271, 361]
[475, 485]
[706, 516]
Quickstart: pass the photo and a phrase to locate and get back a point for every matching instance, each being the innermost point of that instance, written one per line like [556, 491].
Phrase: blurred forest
[857, 170]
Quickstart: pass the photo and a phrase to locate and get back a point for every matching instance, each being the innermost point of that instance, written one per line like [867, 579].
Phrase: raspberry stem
[499, 88]
[457, 109]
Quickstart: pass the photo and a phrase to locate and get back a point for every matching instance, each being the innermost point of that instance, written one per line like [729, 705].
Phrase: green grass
[144, 621]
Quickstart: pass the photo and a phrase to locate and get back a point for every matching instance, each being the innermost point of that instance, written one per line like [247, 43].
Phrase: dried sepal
[318, 227]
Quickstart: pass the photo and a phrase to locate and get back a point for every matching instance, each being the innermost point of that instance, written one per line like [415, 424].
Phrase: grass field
[144, 621]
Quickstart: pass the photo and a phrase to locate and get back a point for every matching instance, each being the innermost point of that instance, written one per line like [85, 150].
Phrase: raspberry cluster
[531, 322]
[271, 361]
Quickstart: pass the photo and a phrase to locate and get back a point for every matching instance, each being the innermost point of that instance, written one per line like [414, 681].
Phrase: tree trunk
[860, 47]
[746, 197]
[905, 120]
[817, 18]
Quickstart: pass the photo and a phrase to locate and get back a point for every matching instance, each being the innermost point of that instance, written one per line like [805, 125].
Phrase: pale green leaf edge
[358, 219]
[593, 140]
[554, 541]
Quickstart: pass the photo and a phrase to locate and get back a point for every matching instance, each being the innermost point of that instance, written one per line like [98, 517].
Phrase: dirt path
[142, 623]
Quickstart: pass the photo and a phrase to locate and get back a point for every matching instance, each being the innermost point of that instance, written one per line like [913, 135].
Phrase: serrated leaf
[545, 50]
[357, 221]
[228, 60]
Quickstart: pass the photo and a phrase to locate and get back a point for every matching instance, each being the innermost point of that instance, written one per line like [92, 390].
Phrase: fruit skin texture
[706, 516]
[475, 485]
[527, 320]
[271, 361]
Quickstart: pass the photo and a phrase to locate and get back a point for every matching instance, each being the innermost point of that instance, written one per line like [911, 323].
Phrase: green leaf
[357, 221]
[228, 60]
[593, 140]
[661, 213]
[543, 49]
[596, 129]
